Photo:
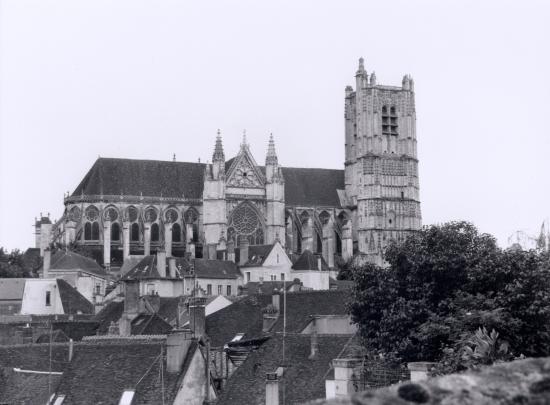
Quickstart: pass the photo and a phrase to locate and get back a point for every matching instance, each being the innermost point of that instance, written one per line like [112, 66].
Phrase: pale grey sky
[146, 79]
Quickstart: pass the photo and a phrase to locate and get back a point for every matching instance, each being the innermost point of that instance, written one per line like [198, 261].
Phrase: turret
[271, 161]
[406, 82]
[361, 76]
[373, 79]
[214, 207]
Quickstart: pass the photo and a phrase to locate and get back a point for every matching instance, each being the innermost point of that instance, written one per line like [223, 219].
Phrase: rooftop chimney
[131, 306]
[276, 300]
[161, 263]
[197, 316]
[319, 263]
[243, 257]
[231, 250]
[271, 389]
[47, 262]
[172, 267]
[314, 344]
[71, 349]
[177, 345]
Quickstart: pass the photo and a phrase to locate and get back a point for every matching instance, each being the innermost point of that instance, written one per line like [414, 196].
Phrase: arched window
[319, 244]
[155, 233]
[176, 233]
[95, 231]
[338, 243]
[245, 222]
[115, 231]
[88, 231]
[134, 234]
[191, 217]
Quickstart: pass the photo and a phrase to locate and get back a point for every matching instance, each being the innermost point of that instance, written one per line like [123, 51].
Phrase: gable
[244, 172]
[283, 259]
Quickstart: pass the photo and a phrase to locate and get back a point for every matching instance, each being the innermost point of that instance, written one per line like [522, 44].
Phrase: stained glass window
[245, 222]
[92, 213]
[132, 214]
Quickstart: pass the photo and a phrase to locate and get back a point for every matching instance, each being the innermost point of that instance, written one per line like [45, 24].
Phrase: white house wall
[34, 298]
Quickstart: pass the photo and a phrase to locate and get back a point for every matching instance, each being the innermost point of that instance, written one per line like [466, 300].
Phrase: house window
[98, 289]
[220, 290]
[247, 276]
[208, 289]
[228, 290]
[273, 277]
[282, 276]
[48, 298]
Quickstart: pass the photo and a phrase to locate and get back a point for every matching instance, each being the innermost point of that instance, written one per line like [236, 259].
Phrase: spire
[373, 79]
[218, 155]
[271, 158]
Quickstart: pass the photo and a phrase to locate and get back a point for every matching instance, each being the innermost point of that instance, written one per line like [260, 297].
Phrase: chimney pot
[47, 262]
[271, 389]
[197, 315]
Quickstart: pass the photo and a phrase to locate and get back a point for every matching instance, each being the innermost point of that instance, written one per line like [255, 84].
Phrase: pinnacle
[271, 158]
[218, 155]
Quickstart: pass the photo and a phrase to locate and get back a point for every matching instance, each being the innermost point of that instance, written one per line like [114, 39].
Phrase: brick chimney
[319, 263]
[276, 300]
[177, 346]
[47, 263]
[131, 306]
[243, 257]
[172, 267]
[197, 316]
[271, 389]
[161, 263]
[231, 250]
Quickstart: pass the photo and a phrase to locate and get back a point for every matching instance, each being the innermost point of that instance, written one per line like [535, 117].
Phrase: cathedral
[125, 207]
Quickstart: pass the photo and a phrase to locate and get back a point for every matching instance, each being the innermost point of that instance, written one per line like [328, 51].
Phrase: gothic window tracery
[92, 213]
[131, 213]
[191, 217]
[170, 215]
[95, 231]
[389, 121]
[110, 214]
[245, 222]
[75, 214]
[115, 232]
[150, 215]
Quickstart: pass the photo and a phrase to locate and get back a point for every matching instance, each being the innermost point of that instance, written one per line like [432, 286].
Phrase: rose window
[191, 216]
[245, 222]
[111, 214]
[171, 215]
[74, 214]
[92, 213]
[132, 214]
[150, 215]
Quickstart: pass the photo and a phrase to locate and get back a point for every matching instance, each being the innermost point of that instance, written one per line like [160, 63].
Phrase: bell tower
[381, 165]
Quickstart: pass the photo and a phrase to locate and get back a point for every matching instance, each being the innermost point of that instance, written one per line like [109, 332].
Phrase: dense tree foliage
[441, 286]
[16, 264]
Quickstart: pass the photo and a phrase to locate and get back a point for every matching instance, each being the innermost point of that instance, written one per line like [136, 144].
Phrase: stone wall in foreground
[518, 382]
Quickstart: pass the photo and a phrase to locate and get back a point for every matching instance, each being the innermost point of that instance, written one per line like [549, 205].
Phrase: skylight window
[237, 337]
[127, 397]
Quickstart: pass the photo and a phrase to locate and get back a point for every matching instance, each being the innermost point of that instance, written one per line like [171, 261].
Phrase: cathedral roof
[155, 178]
[67, 260]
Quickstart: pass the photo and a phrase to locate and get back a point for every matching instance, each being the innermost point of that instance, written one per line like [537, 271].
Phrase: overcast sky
[147, 79]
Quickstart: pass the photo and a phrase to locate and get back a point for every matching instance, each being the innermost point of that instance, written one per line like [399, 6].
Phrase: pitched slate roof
[304, 378]
[266, 287]
[12, 288]
[26, 388]
[257, 255]
[73, 302]
[110, 313]
[35, 356]
[205, 268]
[150, 324]
[245, 316]
[310, 261]
[67, 260]
[155, 178]
[99, 373]
[145, 269]
[152, 178]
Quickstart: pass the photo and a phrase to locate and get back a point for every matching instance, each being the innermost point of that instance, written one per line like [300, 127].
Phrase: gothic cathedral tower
[381, 168]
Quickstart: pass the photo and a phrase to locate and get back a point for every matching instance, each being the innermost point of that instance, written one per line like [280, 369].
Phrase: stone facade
[129, 207]
[381, 167]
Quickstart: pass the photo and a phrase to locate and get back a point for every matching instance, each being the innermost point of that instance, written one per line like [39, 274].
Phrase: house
[312, 270]
[39, 296]
[264, 263]
[210, 277]
[83, 273]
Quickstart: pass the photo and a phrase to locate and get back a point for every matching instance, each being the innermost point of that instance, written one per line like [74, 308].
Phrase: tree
[16, 264]
[442, 285]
